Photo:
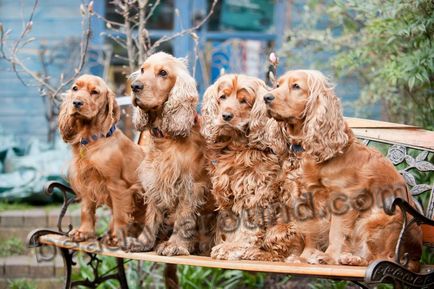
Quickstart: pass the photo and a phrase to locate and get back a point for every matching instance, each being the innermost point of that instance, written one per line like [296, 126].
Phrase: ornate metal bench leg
[121, 273]
[170, 277]
[67, 261]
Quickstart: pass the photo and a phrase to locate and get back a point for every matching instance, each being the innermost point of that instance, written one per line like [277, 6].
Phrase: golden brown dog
[244, 152]
[173, 173]
[359, 179]
[104, 164]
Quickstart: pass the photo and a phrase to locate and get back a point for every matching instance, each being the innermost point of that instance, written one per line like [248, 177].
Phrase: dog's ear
[210, 110]
[264, 132]
[111, 114]
[258, 115]
[179, 111]
[324, 125]
[114, 110]
[68, 125]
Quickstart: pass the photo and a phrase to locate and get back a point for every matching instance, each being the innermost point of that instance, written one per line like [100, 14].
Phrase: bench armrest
[406, 211]
[420, 219]
[67, 200]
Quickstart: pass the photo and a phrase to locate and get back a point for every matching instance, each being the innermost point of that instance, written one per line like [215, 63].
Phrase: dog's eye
[295, 86]
[94, 92]
[142, 70]
[243, 100]
[75, 88]
[277, 85]
[222, 96]
[162, 73]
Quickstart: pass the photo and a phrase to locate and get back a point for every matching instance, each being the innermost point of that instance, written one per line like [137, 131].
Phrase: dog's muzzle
[268, 98]
[137, 86]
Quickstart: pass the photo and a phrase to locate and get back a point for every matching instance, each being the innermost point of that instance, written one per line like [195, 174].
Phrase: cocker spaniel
[105, 161]
[244, 151]
[173, 173]
[358, 179]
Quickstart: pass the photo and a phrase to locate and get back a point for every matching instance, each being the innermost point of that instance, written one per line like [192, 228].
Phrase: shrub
[387, 45]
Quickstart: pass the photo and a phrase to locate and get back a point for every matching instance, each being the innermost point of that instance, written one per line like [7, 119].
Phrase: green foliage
[427, 256]
[386, 45]
[5, 206]
[324, 283]
[21, 284]
[206, 278]
[11, 247]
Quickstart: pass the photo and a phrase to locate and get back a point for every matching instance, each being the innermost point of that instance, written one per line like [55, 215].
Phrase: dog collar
[95, 137]
[296, 148]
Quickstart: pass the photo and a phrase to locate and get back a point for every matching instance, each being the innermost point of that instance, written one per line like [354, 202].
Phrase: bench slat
[355, 122]
[417, 138]
[344, 272]
[406, 135]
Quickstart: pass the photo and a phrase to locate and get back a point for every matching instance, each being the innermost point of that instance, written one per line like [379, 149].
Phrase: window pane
[242, 15]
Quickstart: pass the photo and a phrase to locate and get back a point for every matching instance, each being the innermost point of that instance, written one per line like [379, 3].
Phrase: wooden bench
[411, 149]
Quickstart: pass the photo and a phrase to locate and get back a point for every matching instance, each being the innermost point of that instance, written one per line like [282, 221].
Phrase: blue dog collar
[95, 137]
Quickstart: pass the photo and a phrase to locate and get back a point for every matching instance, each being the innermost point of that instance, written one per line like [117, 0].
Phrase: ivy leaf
[419, 189]
[409, 178]
[424, 166]
[421, 156]
[410, 160]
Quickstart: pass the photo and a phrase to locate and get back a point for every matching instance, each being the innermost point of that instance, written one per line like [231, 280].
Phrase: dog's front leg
[184, 236]
[146, 240]
[121, 211]
[86, 230]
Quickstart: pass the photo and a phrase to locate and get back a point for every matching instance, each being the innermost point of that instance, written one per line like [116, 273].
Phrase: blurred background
[379, 53]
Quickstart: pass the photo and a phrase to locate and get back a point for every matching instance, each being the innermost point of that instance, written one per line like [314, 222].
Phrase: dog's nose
[77, 103]
[227, 116]
[268, 98]
[137, 86]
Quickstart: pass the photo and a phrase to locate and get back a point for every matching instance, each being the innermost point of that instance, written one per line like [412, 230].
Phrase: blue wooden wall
[21, 107]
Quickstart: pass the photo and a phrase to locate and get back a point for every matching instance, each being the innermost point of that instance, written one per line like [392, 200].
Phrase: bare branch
[27, 27]
[151, 12]
[141, 39]
[83, 53]
[128, 32]
[184, 32]
[196, 51]
[2, 42]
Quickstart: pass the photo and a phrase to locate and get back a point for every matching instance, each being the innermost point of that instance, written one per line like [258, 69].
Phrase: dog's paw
[228, 251]
[295, 260]
[169, 248]
[220, 252]
[320, 258]
[110, 241]
[352, 260]
[137, 244]
[77, 235]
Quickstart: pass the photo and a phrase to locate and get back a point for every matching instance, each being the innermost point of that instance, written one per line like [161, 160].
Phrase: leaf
[411, 82]
[409, 178]
[419, 189]
[410, 160]
[424, 166]
[421, 156]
